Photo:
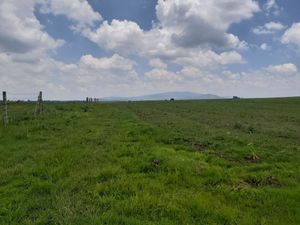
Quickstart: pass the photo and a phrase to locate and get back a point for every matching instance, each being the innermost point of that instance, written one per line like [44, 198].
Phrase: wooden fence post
[5, 115]
[39, 105]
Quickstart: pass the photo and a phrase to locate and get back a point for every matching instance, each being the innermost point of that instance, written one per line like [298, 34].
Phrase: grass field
[183, 162]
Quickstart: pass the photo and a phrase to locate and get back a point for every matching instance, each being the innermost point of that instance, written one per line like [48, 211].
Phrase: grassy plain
[184, 162]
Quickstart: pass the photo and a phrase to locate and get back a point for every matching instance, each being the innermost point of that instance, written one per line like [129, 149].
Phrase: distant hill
[165, 96]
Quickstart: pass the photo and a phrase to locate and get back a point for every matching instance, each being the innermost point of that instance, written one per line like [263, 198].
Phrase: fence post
[39, 104]
[5, 115]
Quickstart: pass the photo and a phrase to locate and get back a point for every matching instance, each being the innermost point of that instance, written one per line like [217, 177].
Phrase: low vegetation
[181, 162]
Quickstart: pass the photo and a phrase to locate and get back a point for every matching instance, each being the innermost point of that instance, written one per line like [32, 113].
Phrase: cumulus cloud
[78, 11]
[292, 35]
[158, 63]
[26, 63]
[274, 80]
[109, 66]
[194, 22]
[207, 59]
[20, 31]
[274, 26]
[184, 24]
[271, 7]
[268, 28]
[121, 36]
[61, 80]
[181, 37]
[128, 38]
[116, 75]
[265, 47]
[284, 69]
[271, 81]
[162, 74]
[44, 74]
[186, 33]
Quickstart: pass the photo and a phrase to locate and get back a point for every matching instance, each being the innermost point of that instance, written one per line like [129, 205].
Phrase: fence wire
[21, 96]
[16, 106]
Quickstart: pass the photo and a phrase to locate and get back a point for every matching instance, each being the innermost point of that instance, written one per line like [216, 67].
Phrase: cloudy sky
[71, 49]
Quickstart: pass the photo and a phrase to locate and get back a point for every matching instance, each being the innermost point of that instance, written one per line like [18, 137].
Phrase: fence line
[38, 109]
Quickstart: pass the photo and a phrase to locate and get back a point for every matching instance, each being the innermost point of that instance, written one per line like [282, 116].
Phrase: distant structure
[235, 97]
[88, 99]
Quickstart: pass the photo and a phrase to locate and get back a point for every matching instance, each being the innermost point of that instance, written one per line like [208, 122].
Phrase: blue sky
[77, 48]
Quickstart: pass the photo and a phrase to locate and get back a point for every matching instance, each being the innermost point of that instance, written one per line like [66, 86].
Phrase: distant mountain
[164, 96]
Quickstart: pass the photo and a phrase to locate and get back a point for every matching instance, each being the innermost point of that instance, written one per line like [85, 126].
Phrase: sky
[71, 49]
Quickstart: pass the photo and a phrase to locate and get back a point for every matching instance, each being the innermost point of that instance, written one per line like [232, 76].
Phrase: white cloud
[265, 47]
[292, 35]
[176, 37]
[274, 26]
[284, 69]
[58, 80]
[161, 74]
[178, 29]
[269, 4]
[78, 11]
[115, 65]
[116, 75]
[44, 74]
[158, 63]
[207, 59]
[121, 36]
[271, 81]
[185, 20]
[268, 28]
[274, 80]
[26, 65]
[25, 62]
[128, 38]
[20, 31]
[271, 7]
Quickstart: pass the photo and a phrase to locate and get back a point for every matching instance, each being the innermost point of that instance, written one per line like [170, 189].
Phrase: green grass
[183, 162]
